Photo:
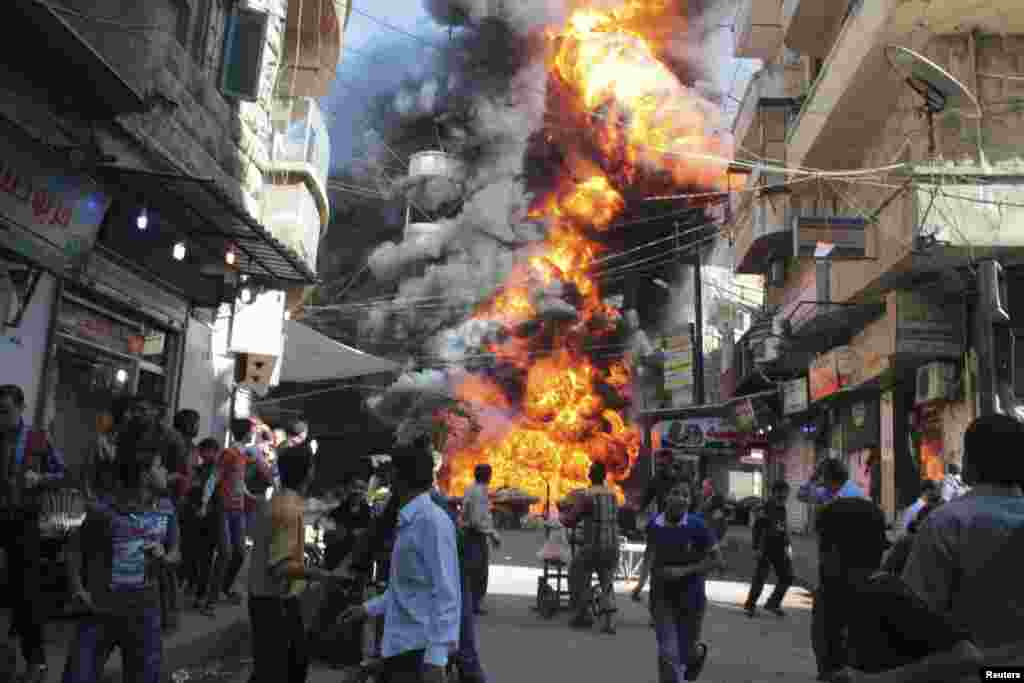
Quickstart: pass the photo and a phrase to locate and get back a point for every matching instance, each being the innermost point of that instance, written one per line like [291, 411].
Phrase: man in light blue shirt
[422, 606]
[836, 483]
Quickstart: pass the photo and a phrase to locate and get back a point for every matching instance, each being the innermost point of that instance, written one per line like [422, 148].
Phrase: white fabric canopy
[312, 357]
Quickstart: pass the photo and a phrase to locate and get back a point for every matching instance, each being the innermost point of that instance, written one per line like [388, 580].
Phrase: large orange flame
[644, 120]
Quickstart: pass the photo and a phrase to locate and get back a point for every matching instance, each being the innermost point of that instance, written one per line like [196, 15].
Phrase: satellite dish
[938, 88]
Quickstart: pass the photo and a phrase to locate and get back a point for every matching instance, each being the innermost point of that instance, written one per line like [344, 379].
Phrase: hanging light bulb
[142, 222]
[179, 251]
[121, 376]
[245, 295]
[229, 257]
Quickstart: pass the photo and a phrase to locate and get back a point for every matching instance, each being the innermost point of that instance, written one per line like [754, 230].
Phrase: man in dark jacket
[773, 551]
[28, 463]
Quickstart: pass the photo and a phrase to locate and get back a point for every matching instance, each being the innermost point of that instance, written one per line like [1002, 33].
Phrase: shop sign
[927, 327]
[835, 370]
[862, 420]
[58, 214]
[794, 396]
[707, 432]
[678, 370]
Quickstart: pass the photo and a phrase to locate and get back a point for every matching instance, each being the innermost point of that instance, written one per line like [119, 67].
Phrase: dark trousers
[467, 656]
[830, 618]
[19, 538]
[138, 636]
[776, 559]
[404, 668]
[199, 541]
[477, 564]
[279, 645]
[230, 554]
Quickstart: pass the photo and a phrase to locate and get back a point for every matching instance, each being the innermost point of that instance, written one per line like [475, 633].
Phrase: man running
[773, 551]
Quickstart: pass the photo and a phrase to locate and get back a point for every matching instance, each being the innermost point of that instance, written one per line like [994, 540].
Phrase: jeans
[467, 656]
[230, 554]
[677, 630]
[279, 646]
[19, 538]
[779, 560]
[478, 560]
[603, 561]
[138, 636]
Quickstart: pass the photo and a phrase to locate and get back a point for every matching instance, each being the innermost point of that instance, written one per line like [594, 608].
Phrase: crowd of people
[168, 515]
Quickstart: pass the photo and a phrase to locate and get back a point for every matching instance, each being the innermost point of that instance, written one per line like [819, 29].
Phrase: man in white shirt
[952, 484]
[479, 527]
[929, 494]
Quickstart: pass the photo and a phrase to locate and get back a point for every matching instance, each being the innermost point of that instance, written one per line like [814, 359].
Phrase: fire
[645, 125]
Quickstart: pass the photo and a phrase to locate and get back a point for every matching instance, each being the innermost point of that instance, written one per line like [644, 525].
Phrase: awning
[314, 31]
[312, 357]
[72, 66]
[723, 409]
[202, 212]
[820, 325]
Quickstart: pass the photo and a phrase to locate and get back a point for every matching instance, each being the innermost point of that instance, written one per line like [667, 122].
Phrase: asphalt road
[518, 646]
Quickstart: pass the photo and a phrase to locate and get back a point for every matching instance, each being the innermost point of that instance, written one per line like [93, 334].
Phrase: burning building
[498, 272]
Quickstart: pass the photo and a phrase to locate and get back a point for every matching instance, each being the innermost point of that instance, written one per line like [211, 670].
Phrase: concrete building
[163, 199]
[912, 110]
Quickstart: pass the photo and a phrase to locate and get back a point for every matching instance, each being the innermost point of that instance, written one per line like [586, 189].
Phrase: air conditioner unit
[935, 382]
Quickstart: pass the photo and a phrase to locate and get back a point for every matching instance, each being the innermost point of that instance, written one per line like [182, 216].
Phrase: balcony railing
[291, 214]
[302, 143]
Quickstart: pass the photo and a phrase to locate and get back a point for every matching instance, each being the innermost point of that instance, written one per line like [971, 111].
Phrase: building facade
[877, 290]
[163, 180]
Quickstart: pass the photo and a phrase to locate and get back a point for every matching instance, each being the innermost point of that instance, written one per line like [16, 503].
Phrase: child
[126, 542]
[683, 550]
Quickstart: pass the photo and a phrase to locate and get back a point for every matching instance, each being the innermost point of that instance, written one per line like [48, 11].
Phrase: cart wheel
[547, 601]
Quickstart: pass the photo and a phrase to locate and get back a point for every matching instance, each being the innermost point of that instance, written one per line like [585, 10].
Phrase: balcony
[291, 214]
[301, 148]
[759, 29]
[767, 236]
[848, 102]
[768, 106]
[809, 25]
[313, 37]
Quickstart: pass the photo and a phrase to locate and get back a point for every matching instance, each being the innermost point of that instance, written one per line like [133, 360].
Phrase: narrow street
[517, 645]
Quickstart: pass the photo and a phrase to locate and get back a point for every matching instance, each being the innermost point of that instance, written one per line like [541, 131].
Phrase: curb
[230, 639]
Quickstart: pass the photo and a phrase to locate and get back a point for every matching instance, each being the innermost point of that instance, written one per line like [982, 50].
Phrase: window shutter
[244, 40]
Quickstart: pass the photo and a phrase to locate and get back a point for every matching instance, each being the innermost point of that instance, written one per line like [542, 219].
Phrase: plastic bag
[556, 547]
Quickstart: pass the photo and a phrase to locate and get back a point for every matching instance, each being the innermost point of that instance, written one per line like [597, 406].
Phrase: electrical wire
[391, 27]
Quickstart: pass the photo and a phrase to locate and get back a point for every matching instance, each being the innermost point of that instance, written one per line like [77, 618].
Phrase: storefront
[49, 218]
[108, 348]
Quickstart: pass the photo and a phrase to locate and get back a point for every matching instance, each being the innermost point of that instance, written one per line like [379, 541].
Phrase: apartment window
[244, 39]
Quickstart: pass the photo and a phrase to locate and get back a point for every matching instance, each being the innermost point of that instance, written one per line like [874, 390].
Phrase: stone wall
[206, 134]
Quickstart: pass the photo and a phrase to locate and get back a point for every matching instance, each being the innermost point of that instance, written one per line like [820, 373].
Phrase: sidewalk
[196, 641]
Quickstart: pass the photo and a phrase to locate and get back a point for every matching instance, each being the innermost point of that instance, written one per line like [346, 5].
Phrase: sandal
[696, 665]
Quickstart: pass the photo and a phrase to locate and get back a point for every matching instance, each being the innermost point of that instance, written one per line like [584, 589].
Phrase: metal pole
[47, 389]
[231, 331]
[698, 333]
